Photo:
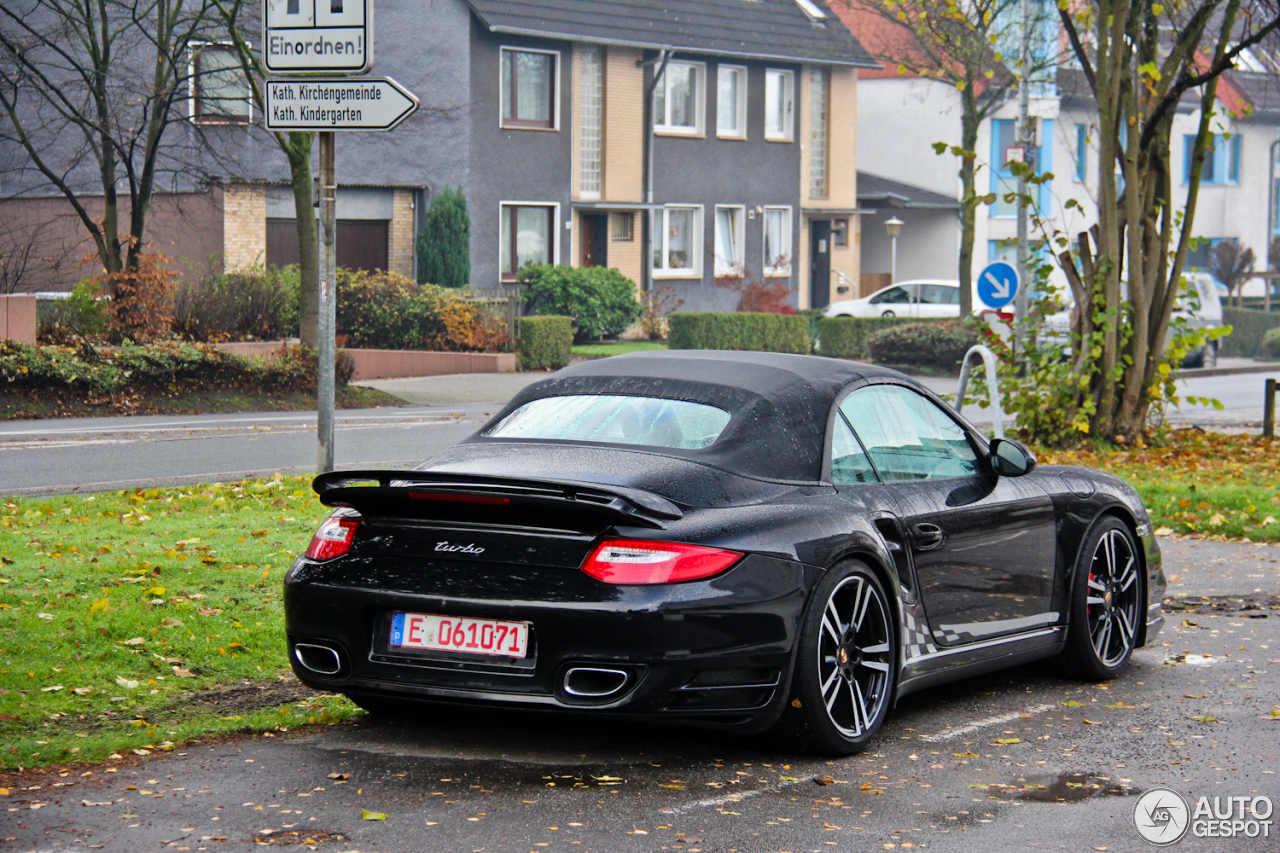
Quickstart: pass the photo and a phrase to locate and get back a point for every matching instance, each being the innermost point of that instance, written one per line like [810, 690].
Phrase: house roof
[875, 191]
[756, 29]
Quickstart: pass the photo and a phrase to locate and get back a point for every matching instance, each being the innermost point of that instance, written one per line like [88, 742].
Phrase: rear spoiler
[392, 493]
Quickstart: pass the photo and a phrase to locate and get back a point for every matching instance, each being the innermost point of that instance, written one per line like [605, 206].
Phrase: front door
[819, 263]
[595, 240]
[982, 545]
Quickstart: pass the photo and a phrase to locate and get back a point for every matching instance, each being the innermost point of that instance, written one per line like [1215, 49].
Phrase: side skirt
[966, 661]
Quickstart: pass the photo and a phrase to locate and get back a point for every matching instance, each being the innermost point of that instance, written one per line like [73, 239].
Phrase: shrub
[384, 310]
[1248, 326]
[444, 243]
[601, 302]
[546, 343]
[254, 304]
[846, 337]
[937, 344]
[658, 305]
[168, 365]
[141, 306]
[1271, 344]
[80, 315]
[756, 332]
[756, 295]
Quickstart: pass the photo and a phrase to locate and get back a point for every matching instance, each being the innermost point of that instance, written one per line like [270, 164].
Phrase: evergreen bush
[444, 243]
[941, 343]
[546, 343]
[739, 331]
[846, 337]
[602, 302]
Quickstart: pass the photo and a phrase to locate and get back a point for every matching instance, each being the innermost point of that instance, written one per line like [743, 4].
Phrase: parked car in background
[1199, 305]
[924, 298]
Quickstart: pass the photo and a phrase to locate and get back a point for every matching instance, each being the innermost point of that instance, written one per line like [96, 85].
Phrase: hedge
[159, 366]
[546, 343]
[1271, 344]
[739, 331]
[846, 337]
[929, 344]
[1247, 328]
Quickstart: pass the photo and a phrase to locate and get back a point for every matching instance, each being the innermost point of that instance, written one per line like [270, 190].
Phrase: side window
[907, 436]
[849, 463]
[897, 295]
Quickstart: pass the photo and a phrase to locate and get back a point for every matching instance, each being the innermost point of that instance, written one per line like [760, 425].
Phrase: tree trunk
[970, 119]
[298, 152]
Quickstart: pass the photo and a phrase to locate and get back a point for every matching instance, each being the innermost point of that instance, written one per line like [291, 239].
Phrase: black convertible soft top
[778, 403]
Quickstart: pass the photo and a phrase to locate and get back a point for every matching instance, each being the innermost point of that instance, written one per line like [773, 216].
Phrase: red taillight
[334, 537]
[639, 561]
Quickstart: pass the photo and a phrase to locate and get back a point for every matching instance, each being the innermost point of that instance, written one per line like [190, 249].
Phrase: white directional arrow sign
[353, 103]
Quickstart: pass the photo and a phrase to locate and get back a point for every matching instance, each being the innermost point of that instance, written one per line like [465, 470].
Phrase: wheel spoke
[826, 687]
[1094, 583]
[879, 649]
[1102, 639]
[1129, 575]
[878, 666]
[861, 601]
[832, 632]
[834, 615]
[1126, 627]
[1109, 544]
[860, 706]
[1093, 599]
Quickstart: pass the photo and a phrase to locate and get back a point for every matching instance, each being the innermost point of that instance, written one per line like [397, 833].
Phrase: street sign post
[998, 284]
[353, 103]
[317, 36]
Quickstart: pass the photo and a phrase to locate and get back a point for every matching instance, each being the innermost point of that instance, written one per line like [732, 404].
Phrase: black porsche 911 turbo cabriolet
[736, 539]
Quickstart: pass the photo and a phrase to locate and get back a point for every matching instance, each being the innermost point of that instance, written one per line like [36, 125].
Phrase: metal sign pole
[328, 301]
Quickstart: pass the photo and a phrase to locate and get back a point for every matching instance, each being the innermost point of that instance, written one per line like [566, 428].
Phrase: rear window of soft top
[615, 419]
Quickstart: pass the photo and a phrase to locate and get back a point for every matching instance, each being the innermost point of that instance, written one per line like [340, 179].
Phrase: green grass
[616, 348]
[125, 616]
[1206, 484]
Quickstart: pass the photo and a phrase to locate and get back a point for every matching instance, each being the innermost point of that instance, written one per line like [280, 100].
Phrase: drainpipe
[646, 247]
[1272, 225]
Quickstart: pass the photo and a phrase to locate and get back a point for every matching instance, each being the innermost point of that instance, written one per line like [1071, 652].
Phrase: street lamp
[893, 227]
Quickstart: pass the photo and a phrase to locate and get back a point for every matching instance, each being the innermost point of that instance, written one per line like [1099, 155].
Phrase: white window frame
[734, 265]
[553, 235]
[503, 83]
[660, 236]
[787, 79]
[783, 269]
[740, 108]
[193, 94]
[660, 123]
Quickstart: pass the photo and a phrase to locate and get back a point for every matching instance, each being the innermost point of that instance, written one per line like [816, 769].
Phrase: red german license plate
[459, 634]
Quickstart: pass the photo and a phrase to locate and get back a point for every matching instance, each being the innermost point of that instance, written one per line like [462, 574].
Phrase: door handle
[927, 536]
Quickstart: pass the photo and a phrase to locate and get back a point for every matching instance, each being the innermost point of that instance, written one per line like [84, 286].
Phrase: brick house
[675, 140]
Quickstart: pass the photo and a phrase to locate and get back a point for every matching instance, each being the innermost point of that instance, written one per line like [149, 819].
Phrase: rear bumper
[716, 650]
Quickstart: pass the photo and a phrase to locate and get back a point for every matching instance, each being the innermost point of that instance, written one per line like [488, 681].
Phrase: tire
[1107, 600]
[845, 672]
[888, 314]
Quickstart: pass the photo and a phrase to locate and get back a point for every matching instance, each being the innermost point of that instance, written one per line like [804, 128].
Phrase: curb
[1199, 372]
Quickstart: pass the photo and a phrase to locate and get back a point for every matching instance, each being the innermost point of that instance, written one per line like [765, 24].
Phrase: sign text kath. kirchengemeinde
[353, 103]
[326, 36]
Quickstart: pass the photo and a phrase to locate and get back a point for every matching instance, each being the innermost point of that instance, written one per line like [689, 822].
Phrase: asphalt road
[1016, 761]
[41, 457]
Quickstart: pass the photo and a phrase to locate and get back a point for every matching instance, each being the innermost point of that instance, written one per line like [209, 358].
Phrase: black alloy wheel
[1106, 603]
[846, 665]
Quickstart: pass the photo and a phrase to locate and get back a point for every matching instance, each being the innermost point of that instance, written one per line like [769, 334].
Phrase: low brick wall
[18, 319]
[395, 364]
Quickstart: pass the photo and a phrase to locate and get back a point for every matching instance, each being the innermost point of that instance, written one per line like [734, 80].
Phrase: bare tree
[91, 89]
[962, 45]
[1231, 263]
[1141, 58]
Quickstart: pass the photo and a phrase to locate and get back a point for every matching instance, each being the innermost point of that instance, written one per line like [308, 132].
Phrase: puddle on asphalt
[1190, 660]
[1063, 788]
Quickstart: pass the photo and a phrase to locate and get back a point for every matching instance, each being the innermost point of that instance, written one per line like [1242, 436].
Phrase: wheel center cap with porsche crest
[1107, 598]
[842, 656]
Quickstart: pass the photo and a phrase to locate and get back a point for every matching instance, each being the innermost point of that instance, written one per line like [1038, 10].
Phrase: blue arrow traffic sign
[997, 284]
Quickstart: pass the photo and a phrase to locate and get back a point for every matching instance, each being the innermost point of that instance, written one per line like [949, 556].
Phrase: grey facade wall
[507, 165]
[751, 172]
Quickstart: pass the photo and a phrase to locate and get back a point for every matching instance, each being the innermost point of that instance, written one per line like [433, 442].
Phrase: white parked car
[1204, 311]
[915, 298]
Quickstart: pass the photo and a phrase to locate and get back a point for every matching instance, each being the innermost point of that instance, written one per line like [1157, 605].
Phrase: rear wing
[455, 497]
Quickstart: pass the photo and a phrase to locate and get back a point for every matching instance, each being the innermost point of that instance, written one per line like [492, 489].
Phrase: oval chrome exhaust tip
[321, 659]
[593, 682]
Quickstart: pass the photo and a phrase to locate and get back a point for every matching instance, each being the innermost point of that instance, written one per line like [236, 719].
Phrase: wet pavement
[1020, 760]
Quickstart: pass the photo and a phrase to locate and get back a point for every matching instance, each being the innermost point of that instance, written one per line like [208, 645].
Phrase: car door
[939, 300]
[982, 545]
[890, 302]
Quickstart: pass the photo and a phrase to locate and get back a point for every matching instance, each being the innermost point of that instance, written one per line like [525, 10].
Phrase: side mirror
[1011, 459]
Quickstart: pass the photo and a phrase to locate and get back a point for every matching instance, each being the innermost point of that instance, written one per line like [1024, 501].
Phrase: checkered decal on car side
[916, 640]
